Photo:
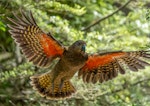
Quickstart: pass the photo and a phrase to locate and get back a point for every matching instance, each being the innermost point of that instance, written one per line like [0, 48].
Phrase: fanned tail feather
[43, 84]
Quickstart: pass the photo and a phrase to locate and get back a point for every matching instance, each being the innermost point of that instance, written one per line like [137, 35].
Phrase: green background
[67, 20]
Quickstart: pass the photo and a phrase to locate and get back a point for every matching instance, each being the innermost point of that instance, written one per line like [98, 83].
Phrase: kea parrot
[42, 48]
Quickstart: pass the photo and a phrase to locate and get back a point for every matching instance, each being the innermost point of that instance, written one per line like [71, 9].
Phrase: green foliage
[20, 71]
[61, 8]
[148, 15]
[129, 29]
[2, 26]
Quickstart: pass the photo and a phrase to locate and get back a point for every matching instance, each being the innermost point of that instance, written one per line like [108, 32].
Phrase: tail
[43, 84]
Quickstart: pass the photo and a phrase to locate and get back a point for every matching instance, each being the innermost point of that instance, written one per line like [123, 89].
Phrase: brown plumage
[41, 49]
[103, 67]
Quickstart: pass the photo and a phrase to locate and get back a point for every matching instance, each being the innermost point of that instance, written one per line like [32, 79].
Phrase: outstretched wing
[39, 47]
[103, 67]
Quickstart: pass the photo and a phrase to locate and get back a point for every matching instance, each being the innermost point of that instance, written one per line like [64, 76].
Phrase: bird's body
[41, 49]
[67, 66]
[69, 63]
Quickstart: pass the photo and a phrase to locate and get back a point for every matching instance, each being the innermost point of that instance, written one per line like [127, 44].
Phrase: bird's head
[78, 46]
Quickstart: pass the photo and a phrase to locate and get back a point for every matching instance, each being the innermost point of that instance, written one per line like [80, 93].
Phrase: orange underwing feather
[38, 47]
[51, 48]
[98, 60]
[105, 66]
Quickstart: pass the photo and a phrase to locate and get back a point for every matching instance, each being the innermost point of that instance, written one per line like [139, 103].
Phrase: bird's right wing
[39, 47]
[103, 67]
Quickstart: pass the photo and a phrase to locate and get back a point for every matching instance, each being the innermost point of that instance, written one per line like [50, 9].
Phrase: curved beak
[83, 48]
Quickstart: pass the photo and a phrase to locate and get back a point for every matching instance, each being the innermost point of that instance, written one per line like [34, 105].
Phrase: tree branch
[98, 21]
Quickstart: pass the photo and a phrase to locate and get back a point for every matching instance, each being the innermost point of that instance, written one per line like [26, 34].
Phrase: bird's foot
[53, 88]
[61, 85]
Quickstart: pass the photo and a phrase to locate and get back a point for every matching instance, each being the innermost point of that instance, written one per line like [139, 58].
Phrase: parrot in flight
[42, 48]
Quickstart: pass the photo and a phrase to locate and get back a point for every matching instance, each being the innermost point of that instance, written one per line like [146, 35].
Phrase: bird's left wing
[38, 47]
[105, 66]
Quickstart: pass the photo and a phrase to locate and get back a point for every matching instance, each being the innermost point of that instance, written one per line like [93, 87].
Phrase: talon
[53, 88]
[61, 85]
